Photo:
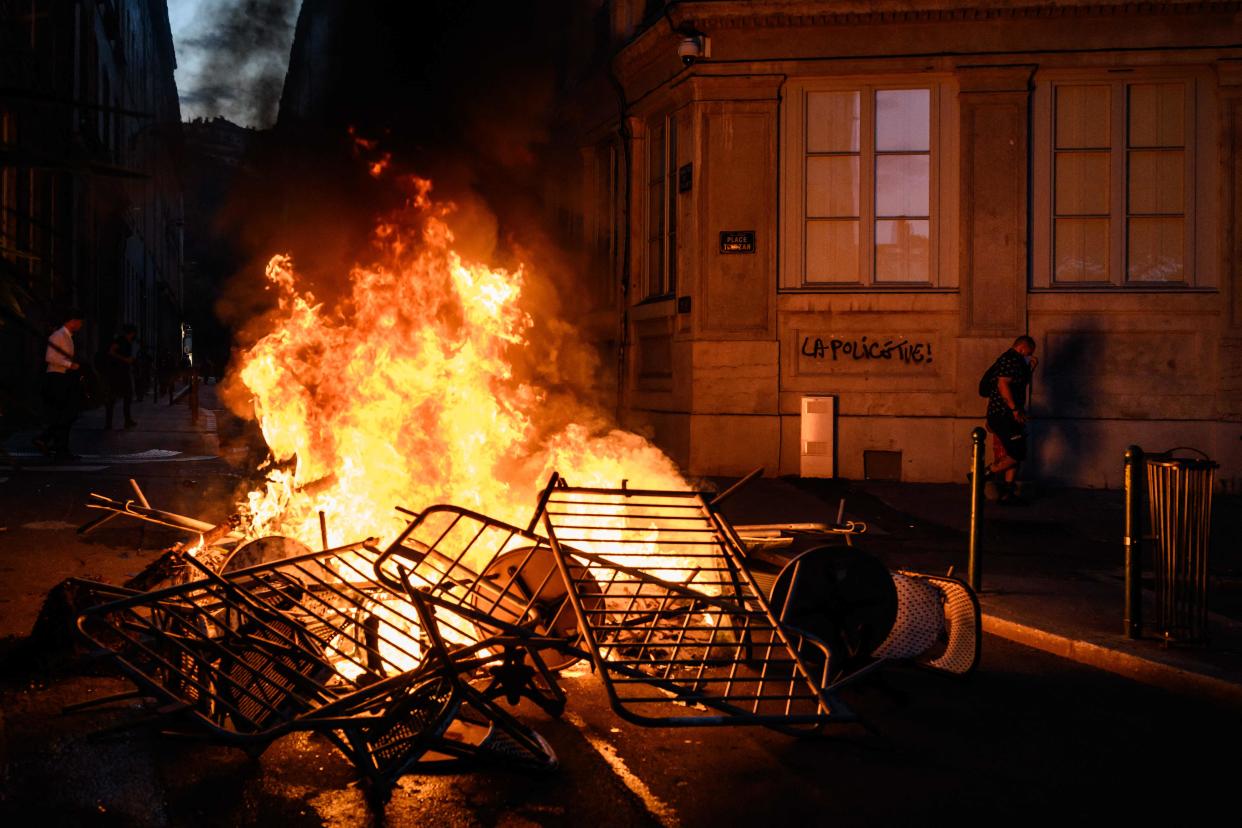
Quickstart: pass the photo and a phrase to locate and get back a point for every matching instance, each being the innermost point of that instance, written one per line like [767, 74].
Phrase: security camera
[694, 47]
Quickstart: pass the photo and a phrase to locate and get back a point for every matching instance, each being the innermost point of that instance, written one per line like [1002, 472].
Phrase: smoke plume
[232, 57]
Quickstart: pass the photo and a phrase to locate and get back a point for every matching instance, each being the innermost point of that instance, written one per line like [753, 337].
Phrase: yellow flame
[404, 393]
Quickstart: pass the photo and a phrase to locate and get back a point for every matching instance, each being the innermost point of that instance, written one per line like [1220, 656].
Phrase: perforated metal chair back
[938, 625]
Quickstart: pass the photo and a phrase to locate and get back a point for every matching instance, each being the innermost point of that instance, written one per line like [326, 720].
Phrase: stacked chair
[402, 657]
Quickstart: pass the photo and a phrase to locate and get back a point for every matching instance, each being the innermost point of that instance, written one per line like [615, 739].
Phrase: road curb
[1131, 666]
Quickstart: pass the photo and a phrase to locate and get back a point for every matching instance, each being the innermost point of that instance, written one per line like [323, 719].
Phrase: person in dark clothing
[1007, 416]
[118, 380]
[61, 388]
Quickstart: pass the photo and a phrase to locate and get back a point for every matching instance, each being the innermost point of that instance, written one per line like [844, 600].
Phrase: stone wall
[717, 371]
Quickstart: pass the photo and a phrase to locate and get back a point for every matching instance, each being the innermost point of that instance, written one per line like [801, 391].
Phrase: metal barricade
[1179, 497]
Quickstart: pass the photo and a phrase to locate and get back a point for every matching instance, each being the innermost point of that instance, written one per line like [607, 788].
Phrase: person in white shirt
[61, 388]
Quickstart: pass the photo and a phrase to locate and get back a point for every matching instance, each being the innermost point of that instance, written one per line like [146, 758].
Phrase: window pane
[903, 251]
[903, 119]
[832, 186]
[902, 184]
[655, 207]
[832, 121]
[655, 276]
[1081, 250]
[1083, 117]
[655, 164]
[1157, 115]
[1157, 250]
[1082, 183]
[1156, 181]
[832, 251]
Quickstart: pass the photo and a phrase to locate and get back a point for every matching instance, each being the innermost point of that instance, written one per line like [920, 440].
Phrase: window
[661, 275]
[1115, 182]
[861, 185]
[599, 210]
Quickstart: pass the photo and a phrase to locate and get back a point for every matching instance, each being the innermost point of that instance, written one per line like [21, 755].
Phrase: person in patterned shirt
[1007, 414]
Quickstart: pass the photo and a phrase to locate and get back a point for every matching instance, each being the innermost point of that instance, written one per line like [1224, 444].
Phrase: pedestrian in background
[118, 377]
[1010, 378]
[62, 392]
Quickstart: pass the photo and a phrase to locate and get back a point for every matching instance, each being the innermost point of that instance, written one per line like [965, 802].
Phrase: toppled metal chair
[670, 613]
[938, 624]
[490, 581]
[312, 643]
[868, 614]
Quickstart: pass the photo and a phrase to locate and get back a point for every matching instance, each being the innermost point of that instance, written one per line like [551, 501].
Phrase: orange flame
[405, 394]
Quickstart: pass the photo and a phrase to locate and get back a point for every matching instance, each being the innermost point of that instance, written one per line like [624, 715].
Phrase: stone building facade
[90, 192]
[820, 232]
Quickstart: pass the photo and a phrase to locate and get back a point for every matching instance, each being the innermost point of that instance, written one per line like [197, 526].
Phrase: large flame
[405, 394]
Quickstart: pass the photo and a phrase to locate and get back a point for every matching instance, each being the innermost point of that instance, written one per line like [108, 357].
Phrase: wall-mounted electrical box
[819, 422]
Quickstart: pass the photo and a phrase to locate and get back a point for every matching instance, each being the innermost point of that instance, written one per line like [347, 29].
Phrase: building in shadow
[90, 192]
[826, 219]
[807, 228]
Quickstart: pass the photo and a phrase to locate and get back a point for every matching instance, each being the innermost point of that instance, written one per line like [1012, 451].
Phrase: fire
[405, 393]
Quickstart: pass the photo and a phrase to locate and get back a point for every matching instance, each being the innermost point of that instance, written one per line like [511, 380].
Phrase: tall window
[662, 209]
[600, 220]
[861, 186]
[1117, 174]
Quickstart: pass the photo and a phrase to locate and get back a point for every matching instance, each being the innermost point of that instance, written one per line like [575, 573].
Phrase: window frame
[660, 271]
[942, 182]
[1199, 272]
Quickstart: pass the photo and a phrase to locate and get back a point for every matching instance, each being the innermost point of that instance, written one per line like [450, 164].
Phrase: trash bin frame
[1179, 512]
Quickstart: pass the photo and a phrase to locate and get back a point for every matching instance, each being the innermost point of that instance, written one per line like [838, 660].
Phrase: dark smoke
[464, 92]
[243, 46]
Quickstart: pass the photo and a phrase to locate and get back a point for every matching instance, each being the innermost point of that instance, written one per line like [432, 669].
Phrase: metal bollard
[194, 397]
[1134, 476]
[978, 452]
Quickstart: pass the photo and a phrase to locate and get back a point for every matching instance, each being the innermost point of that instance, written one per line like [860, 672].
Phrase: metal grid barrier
[669, 612]
[239, 662]
[486, 579]
[315, 643]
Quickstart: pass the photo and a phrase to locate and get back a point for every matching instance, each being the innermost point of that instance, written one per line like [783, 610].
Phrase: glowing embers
[669, 611]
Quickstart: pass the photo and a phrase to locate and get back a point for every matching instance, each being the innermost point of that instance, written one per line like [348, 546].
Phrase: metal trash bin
[1179, 499]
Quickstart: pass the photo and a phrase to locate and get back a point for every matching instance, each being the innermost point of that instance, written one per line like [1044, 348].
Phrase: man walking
[119, 382]
[1011, 377]
[61, 389]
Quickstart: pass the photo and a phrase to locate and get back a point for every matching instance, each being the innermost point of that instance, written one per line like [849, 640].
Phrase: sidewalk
[163, 432]
[174, 460]
[1053, 574]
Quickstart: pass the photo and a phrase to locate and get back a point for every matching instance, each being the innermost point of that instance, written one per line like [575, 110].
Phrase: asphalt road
[1027, 737]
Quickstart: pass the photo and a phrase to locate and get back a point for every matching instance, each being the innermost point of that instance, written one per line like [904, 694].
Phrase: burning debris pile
[401, 655]
[422, 387]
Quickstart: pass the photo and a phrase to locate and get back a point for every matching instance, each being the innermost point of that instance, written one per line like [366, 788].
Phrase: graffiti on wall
[835, 349]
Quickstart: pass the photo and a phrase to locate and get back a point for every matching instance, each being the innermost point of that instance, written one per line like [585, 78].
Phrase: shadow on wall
[1059, 395]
